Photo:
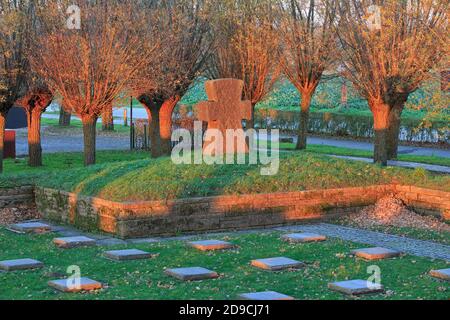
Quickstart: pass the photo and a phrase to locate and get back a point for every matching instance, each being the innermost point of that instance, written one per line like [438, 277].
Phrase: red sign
[10, 145]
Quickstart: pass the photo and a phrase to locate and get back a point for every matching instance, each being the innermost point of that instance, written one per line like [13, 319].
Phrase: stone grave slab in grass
[277, 264]
[211, 245]
[376, 253]
[68, 285]
[356, 287]
[74, 242]
[31, 227]
[126, 255]
[192, 274]
[265, 296]
[20, 264]
[303, 237]
[443, 274]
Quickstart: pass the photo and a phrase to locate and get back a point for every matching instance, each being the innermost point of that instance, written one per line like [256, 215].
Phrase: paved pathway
[407, 245]
[53, 144]
[402, 164]
[368, 146]
[351, 144]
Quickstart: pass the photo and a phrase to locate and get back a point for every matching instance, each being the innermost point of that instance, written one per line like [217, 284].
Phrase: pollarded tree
[37, 96]
[36, 100]
[88, 67]
[388, 59]
[14, 28]
[245, 47]
[308, 38]
[183, 33]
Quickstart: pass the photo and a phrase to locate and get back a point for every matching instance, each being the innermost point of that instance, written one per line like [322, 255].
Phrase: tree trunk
[34, 138]
[89, 135]
[166, 113]
[2, 138]
[304, 121]
[393, 133]
[108, 119]
[155, 137]
[381, 114]
[64, 117]
[251, 122]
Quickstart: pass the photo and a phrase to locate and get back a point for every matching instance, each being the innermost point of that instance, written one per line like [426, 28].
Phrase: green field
[403, 278]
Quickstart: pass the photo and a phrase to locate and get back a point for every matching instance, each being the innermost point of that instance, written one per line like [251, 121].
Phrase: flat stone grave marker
[68, 285]
[31, 227]
[376, 253]
[265, 296]
[192, 274]
[20, 264]
[126, 255]
[356, 287]
[277, 264]
[73, 242]
[303, 237]
[443, 274]
[211, 245]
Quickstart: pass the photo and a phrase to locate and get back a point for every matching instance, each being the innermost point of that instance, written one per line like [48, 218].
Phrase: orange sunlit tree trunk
[388, 60]
[308, 38]
[89, 67]
[35, 102]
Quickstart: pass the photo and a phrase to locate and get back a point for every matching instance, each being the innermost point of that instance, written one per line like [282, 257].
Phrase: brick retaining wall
[425, 201]
[16, 197]
[142, 219]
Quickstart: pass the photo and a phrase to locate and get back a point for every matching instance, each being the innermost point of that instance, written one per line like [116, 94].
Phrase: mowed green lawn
[123, 176]
[404, 278]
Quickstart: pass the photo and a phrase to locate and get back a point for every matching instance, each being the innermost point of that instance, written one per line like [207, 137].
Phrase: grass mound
[141, 178]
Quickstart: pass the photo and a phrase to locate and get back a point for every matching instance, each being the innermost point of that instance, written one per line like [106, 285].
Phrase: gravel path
[410, 246]
[407, 245]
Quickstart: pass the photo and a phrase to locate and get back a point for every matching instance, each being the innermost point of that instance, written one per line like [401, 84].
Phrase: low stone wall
[425, 201]
[143, 219]
[17, 197]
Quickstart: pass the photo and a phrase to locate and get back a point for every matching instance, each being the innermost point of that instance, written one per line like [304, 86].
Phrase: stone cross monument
[225, 110]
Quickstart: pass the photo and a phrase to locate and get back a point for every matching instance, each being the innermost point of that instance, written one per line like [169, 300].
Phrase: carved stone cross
[225, 110]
